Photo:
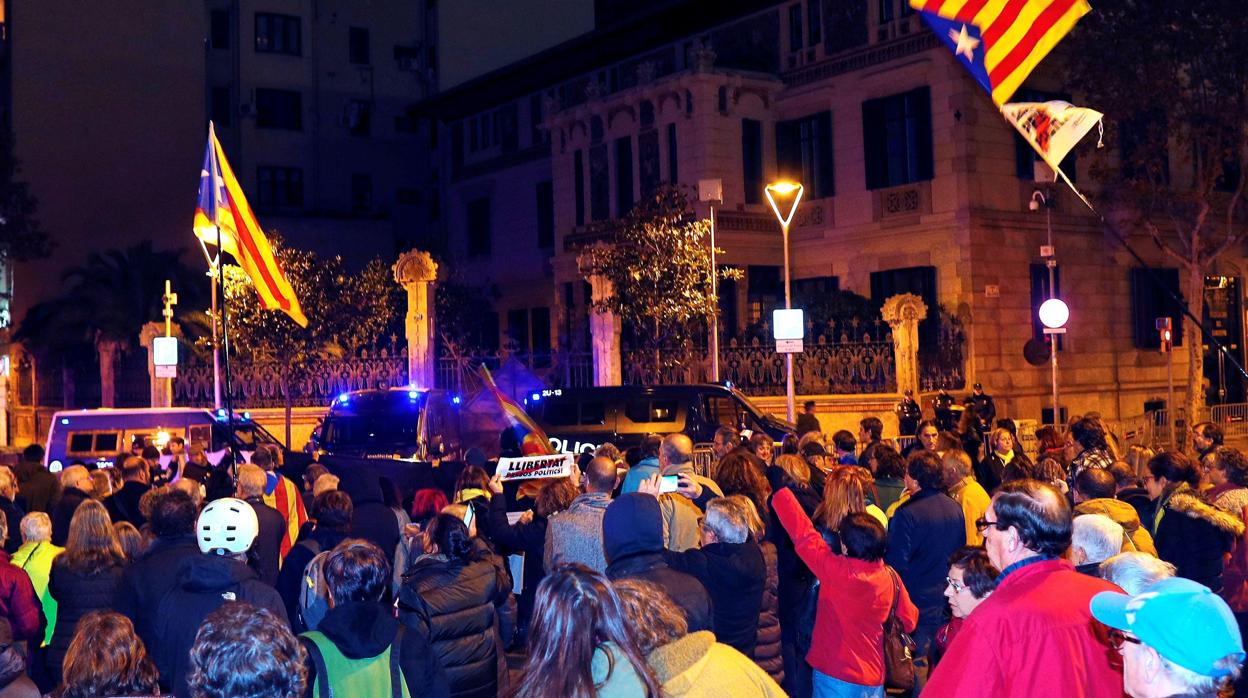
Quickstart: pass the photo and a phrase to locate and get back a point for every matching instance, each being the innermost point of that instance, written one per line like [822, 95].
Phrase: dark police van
[578, 420]
[399, 423]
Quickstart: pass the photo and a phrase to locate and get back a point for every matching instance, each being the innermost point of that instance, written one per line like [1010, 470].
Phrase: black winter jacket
[123, 505]
[924, 532]
[76, 595]
[204, 583]
[795, 576]
[452, 605]
[767, 644]
[1194, 536]
[364, 629]
[734, 575]
[146, 581]
[266, 553]
[685, 589]
[63, 512]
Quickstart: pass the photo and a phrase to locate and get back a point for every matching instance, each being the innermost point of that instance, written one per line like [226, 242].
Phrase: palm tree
[107, 301]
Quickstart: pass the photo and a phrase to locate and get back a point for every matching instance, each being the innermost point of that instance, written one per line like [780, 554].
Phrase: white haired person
[1177, 638]
[1094, 538]
[1135, 570]
[35, 557]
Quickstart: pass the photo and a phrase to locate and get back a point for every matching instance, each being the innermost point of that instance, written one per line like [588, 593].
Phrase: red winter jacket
[18, 602]
[1033, 637]
[854, 600]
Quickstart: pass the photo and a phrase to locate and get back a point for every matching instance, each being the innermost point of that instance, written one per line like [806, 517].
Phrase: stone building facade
[914, 183]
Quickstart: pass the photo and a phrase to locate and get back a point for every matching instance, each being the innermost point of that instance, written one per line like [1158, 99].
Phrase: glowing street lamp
[1054, 314]
[782, 195]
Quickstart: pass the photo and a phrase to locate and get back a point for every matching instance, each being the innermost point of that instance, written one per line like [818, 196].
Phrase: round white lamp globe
[1054, 313]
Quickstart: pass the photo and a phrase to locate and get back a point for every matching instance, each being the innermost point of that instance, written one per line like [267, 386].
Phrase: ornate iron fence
[943, 365]
[855, 358]
[259, 385]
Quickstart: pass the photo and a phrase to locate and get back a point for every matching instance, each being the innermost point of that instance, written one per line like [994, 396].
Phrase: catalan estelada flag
[533, 441]
[222, 203]
[1001, 41]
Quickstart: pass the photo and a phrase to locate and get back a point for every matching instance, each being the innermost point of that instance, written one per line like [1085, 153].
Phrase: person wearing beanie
[1177, 638]
[632, 535]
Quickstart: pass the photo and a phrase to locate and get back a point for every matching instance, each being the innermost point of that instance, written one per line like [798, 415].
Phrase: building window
[518, 329]
[815, 290]
[672, 172]
[219, 108]
[599, 184]
[280, 187]
[578, 185]
[1040, 294]
[478, 215]
[623, 175]
[279, 109]
[358, 46]
[1152, 296]
[795, 27]
[278, 34]
[545, 215]
[359, 117]
[897, 134]
[536, 133]
[219, 36]
[361, 192]
[540, 319]
[814, 23]
[764, 294]
[752, 159]
[804, 152]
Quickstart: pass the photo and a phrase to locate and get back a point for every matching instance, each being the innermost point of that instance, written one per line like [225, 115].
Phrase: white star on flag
[966, 43]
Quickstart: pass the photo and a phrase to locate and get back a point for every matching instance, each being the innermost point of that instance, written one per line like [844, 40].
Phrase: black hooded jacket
[632, 536]
[734, 575]
[364, 629]
[204, 583]
[371, 519]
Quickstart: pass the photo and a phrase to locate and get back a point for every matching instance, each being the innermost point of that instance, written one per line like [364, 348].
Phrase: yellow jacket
[697, 666]
[974, 500]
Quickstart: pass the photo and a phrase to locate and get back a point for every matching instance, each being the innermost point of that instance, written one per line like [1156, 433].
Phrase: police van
[579, 420]
[99, 436]
[401, 423]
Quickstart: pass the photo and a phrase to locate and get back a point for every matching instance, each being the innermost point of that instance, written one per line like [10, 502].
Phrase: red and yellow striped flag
[222, 204]
[1001, 41]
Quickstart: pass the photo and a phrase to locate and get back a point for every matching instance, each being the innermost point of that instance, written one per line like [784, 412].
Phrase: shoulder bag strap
[892, 610]
[30, 556]
[322, 673]
[396, 671]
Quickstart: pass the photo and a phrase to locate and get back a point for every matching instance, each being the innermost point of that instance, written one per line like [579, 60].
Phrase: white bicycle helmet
[227, 526]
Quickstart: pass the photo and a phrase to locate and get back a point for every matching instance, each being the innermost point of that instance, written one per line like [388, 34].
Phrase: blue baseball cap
[1184, 621]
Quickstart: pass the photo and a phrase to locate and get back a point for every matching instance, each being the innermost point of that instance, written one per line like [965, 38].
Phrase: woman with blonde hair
[107, 658]
[84, 577]
[132, 543]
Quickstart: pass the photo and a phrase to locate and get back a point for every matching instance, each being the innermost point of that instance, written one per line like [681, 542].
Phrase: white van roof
[128, 411]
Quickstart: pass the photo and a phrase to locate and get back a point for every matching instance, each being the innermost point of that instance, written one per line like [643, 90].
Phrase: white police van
[99, 436]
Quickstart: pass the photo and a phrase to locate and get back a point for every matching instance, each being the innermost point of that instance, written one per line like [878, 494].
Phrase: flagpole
[216, 335]
[225, 351]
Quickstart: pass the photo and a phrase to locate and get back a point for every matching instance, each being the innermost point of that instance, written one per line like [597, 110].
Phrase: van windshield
[389, 420]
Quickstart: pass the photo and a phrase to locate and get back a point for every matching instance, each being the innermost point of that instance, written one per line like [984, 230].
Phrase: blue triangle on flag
[952, 32]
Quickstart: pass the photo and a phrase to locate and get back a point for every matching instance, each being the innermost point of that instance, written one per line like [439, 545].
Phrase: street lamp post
[784, 190]
[1057, 310]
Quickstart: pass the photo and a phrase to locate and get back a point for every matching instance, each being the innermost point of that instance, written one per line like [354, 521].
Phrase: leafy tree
[21, 237]
[658, 260]
[1172, 78]
[461, 315]
[345, 311]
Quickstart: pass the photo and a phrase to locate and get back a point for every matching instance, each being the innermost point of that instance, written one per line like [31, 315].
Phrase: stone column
[161, 389]
[903, 313]
[416, 272]
[604, 330]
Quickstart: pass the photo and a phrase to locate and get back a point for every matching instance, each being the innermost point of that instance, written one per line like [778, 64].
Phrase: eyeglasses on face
[1119, 640]
[955, 585]
[984, 523]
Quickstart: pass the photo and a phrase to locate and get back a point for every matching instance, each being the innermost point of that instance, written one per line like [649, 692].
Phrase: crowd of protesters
[778, 569]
